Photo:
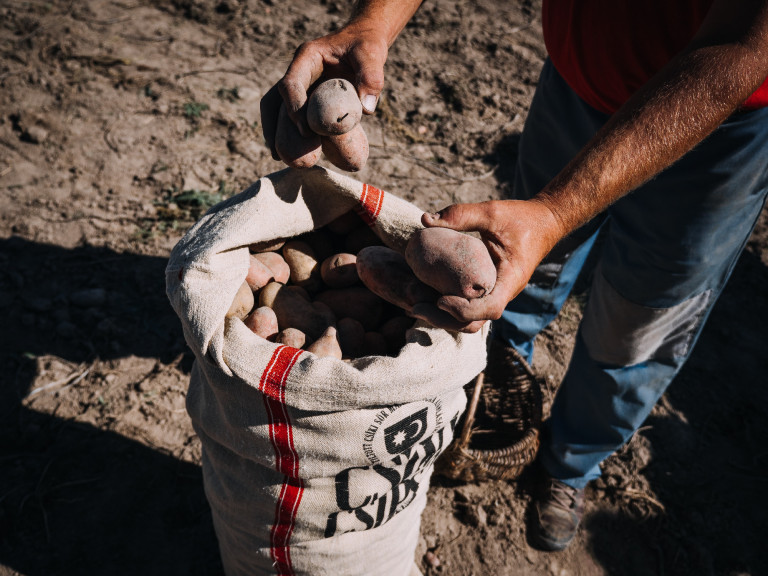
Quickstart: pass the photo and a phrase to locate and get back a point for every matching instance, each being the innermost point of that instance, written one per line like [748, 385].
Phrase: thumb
[462, 217]
[369, 67]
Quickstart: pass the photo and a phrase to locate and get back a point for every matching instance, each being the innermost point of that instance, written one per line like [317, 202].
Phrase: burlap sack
[311, 465]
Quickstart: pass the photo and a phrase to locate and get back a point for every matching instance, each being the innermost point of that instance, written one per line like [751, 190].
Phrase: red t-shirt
[607, 49]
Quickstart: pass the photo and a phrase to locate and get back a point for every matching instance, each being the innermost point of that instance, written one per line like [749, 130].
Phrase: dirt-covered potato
[394, 331]
[262, 322]
[294, 310]
[386, 273]
[345, 223]
[321, 241]
[292, 337]
[340, 270]
[351, 336]
[354, 302]
[334, 108]
[451, 262]
[242, 303]
[374, 344]
[302, 261]
[326, 346]
[259, 274]
[429, 312]
[266, 246]
[294, 149]
[281, 272]
[347, 151]
[360, 238]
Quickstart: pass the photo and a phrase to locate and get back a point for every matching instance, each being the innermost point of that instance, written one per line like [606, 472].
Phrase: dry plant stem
[467, 430]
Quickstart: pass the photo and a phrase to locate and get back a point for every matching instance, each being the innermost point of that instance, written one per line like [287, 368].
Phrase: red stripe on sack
[370, 204]
[272, 385]
[285, 521]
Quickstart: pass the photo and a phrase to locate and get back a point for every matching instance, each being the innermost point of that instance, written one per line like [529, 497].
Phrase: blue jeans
[669, 248]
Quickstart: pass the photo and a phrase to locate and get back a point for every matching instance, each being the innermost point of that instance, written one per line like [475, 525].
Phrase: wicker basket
[500, 432]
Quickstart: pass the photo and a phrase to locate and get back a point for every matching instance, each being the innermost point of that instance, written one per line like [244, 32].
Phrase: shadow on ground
[705, 457]
[75, 499]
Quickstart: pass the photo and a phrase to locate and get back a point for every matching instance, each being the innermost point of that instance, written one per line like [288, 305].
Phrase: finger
[441, 319]
[489, 307]
[461, 217]
[303, 72]
[270, 108]
[369, 66]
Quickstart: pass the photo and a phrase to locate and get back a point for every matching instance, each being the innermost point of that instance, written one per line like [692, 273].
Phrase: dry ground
[122, 120]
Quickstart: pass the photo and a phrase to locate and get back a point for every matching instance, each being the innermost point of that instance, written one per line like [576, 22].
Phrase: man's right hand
[357, 53]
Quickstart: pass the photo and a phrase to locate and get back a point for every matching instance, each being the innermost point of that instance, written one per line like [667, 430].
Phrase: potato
[351, 336]
[451, 262]
[345, 223]
[293, 148]
[292, 337]
[326, 346]
[243, 302]
[374, 344]
[340, 270]
[441, 319]
[268, 294]
[386, 273]
[259, 274]
[354, 302]
[394, 331]
[360, 238]
[334, 108]
[321, 241]
[262, 322]
[294, 310]
[266, 246]
[305, 269]
[281, 272]
[347, 151]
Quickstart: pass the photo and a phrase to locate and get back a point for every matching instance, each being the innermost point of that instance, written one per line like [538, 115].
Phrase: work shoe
[558, 514]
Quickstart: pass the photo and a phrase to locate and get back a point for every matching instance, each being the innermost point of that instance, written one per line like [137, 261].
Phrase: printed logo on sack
[402, 443]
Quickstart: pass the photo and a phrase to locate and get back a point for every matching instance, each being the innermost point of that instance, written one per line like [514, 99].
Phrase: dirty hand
[517, 233]
[357, 53]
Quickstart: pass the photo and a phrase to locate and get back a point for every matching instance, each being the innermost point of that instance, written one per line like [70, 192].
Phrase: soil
[121, 121]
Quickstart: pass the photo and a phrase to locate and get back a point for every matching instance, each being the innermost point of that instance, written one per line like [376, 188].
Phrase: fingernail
[432, 215]
[369, 102]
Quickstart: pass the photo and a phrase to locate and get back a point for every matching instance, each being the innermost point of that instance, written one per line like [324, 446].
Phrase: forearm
[676, 110]
[387, 16]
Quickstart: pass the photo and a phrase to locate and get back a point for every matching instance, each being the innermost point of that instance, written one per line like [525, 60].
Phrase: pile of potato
[305, 292]
[338, 292]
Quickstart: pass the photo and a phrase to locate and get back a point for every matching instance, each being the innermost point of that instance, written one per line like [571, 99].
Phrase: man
[666, 100]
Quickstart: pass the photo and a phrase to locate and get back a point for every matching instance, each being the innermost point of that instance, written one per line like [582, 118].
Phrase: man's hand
[356, 53]
[517, 233]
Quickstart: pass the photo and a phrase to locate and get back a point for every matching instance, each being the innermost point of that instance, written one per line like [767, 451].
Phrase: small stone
[36, 134]
[482, 516]
[496, 517]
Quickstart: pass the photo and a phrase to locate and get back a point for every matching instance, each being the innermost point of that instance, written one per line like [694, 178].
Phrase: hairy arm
[677, 109]
[693, 94]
